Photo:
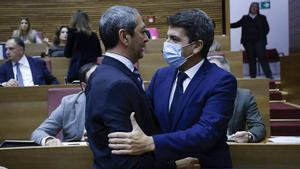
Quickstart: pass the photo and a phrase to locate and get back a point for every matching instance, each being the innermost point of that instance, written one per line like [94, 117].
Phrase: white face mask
[172, 54]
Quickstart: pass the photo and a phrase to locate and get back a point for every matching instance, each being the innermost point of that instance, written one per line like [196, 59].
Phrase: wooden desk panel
[22, 109]
[259, 155]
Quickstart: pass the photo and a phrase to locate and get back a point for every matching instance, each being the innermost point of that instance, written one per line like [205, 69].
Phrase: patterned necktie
[138, 76]
[19, 75]
[177, 98]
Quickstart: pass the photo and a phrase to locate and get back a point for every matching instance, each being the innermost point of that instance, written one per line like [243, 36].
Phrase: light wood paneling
[22, 109]
[46, 16]
[290, 77]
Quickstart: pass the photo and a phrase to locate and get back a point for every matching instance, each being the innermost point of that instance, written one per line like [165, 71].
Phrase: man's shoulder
[73, 97]
[5, 65]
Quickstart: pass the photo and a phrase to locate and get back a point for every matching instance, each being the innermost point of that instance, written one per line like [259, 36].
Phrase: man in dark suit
[255, 28]
[21, 70]
[115, 90]
[193, 99]
[245, 113]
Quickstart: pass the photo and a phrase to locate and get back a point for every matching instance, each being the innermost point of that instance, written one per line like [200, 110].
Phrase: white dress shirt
[190, 73]
[25, 70]
[122, 59]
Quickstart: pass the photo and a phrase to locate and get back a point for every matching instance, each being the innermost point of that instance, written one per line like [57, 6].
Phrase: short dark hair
[114, 19]
[83, 70]
[19, 42]
[197, 26]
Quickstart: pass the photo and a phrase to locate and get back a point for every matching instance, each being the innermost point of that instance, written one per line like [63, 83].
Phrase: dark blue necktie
[138, 76]
[19, 75]
[177, 98]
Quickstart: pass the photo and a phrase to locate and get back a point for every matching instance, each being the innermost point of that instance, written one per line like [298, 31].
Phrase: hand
[53, 142]
[11, 83]
[135, 142]
[188, 163]
[241, 137]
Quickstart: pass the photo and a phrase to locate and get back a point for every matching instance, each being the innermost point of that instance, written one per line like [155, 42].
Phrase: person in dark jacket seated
[21, 70]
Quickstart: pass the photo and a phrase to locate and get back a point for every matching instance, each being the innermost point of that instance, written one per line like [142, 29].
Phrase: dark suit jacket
[39, 71]
[82, 49]
[200, 125]
[113, 93]
[246, 112]
[253, 30]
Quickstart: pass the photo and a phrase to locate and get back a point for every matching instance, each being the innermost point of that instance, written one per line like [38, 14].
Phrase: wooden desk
[22, 109]
[259, 155]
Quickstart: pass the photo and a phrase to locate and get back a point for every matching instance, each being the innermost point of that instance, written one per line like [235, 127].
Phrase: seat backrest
[56, 94]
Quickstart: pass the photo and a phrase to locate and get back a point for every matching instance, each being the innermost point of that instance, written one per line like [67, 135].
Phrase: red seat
[56, 94]
[54, 98]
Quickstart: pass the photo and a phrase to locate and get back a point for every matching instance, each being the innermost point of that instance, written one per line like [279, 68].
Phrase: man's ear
[83, 86]
[198, 46]
[123, 37]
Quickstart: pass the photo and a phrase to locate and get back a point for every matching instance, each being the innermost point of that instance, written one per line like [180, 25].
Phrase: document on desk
[82, 143]
[284, 139]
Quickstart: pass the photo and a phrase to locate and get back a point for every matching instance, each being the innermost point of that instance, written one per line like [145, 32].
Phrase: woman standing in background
[25, 32]
[255, 28]
[83, 45]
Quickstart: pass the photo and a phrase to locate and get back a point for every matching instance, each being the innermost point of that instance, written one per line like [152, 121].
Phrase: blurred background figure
[25, 33]
[69, 116]
[83, 45]
[59, 42]
[246, 124]
[215, 46]
[255, 28]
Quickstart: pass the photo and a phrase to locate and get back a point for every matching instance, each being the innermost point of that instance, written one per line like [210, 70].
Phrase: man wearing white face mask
[193, 99]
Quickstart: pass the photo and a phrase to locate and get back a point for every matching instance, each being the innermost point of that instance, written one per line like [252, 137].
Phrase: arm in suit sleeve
[52, 125]
[237, 24]
[266, 25]
[3, 72]
[209, 129]
[254, 119]
[70, 43]
[49, 78]
[115, 107]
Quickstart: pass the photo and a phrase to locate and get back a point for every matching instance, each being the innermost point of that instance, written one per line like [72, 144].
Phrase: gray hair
[220, 61]
[114, 19]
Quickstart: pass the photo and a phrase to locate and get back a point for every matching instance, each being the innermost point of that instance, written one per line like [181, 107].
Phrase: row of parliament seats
[27, 107]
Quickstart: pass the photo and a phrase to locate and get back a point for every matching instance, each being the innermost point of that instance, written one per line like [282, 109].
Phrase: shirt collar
[122, 59]
[193, 70]
[23, 61]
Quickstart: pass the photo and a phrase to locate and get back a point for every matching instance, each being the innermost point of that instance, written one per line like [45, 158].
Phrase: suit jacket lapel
[33, 70]
[193, 85]
[165, 116]
[119, 65]
[10, 73]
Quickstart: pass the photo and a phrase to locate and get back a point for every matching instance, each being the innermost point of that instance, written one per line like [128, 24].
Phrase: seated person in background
[59, 43]
[215, 46]
[21, 70]
[25, 33]
[69, 116]
[245, 111]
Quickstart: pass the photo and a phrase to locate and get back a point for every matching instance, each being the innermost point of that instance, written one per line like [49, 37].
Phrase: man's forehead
[176, 31]
[11, 43]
